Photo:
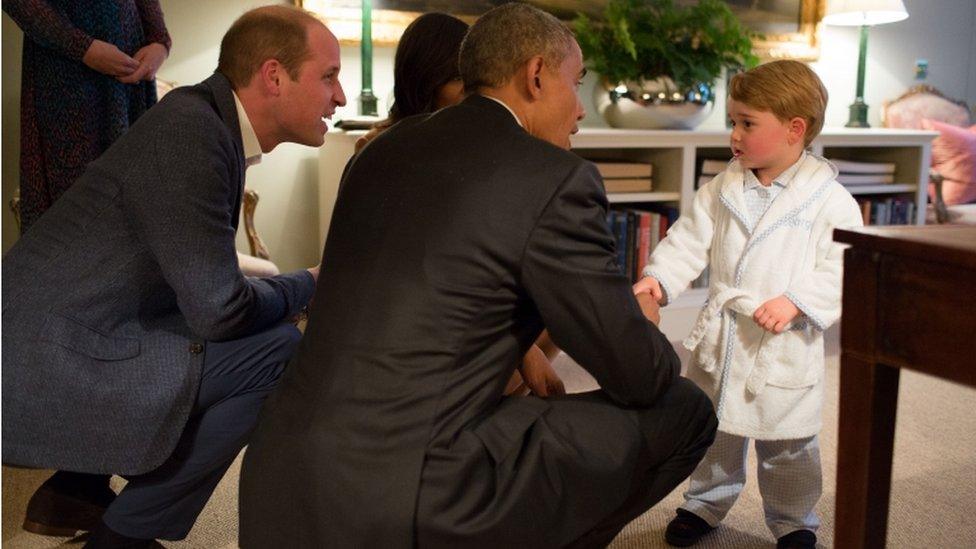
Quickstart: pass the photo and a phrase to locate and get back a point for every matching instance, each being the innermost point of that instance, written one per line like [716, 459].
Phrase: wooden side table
[909, 302]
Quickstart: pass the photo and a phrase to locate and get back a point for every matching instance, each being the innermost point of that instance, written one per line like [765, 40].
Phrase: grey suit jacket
[455, 238]
[109, 299]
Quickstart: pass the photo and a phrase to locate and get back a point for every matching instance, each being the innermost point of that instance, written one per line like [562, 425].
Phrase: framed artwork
[789, 27]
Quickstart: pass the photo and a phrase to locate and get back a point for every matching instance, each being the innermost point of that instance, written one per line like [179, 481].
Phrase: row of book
[887, 211]
[626, 177]
[637, 232]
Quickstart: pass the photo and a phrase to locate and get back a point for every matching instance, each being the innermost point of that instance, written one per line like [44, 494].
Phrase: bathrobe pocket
[796, 361]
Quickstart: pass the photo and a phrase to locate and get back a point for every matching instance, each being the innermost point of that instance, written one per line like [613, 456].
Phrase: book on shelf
[887, 211]
[636, 233]
[628, 185]
[851, 166]
[865, 178]
[711, 166]
[609, 170]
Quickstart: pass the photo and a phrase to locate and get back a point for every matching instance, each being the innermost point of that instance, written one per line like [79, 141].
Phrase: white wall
[941, 31]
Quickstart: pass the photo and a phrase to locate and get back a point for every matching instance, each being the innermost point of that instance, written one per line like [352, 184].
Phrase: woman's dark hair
[426, 59]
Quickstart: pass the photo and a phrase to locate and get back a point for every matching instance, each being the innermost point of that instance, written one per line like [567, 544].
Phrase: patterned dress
[70, 113]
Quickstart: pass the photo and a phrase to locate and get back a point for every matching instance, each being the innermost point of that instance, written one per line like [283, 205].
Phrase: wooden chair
[926, 102]
[259, 262]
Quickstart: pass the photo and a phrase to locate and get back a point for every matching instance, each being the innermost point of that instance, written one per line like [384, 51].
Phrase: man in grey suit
[456, 237]
[132, 343]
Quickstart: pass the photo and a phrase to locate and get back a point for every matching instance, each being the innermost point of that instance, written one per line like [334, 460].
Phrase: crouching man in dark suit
[457, 236]
[132, 343]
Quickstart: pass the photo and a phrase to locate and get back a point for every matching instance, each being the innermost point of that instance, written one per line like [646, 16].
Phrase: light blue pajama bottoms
[790, 481]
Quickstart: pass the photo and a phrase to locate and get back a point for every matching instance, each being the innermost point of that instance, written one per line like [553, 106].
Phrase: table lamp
[863, 13]
[367, 101]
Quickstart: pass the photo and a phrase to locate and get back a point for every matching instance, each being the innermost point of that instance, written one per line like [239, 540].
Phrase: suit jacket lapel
[224, 101]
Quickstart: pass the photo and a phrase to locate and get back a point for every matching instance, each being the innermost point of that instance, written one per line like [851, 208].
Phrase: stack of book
[636, 233]
[709, 169]
[887, 211]
[864, 173]
[625, 177]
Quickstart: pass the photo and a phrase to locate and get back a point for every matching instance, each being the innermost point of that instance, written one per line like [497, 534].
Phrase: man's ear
[533, 74]
[270, 74]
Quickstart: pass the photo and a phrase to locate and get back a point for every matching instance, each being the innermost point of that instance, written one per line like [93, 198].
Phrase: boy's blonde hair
[787, 89]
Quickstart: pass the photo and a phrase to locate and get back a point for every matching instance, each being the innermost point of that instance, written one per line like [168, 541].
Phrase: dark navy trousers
[237, 377]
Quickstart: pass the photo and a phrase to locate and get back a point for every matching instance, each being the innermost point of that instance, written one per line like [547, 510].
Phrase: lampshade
[864, 12]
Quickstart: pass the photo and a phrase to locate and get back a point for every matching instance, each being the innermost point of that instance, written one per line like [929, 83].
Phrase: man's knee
[683, 411]
[696, 404]
[283, 341]
[698, 411]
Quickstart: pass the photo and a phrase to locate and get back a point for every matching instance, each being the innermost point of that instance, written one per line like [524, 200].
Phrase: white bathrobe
[764, 386]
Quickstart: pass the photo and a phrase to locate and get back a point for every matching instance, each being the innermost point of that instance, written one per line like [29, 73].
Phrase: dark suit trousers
[237, 376]
[677, 431]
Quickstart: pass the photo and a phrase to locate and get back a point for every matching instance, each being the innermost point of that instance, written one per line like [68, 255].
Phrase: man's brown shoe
[67, 503]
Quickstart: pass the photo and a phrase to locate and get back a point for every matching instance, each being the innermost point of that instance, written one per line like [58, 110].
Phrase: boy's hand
[650, 285]
[776, 314]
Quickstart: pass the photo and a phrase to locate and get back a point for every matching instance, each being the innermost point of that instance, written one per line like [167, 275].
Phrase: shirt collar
[252, 147]
[782, 180]
[509, 109]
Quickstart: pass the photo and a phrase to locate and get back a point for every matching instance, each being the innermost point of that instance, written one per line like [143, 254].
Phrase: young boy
[764, 228]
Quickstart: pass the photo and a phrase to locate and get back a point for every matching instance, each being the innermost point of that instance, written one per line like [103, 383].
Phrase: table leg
[866, 434]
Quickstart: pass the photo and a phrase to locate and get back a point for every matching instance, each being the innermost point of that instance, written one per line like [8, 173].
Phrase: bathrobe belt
[709, 341]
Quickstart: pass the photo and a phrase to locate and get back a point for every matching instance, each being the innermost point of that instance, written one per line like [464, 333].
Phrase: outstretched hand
[651, 285]
[776, 314]
[650, 307]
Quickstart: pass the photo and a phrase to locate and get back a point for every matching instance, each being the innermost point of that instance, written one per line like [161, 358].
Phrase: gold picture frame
[343, 18]
[803, 44]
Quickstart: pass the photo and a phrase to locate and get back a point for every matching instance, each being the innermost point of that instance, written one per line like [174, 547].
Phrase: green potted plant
[659, 61]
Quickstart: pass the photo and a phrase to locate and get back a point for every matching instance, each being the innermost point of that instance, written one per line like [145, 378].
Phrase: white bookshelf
[676, 156]
[627, 198]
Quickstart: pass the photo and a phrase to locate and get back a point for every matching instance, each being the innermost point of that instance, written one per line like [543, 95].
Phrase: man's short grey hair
[502, 40]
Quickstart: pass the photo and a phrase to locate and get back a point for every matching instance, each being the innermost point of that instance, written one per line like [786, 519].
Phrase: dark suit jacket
[108, 298]
[456, 238]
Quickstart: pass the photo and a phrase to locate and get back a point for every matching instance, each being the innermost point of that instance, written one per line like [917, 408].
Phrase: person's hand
[108, 59]
[539, 374]
[314, 271]
[650, 307]
[649, 284]
[150, 57]
[776, 314]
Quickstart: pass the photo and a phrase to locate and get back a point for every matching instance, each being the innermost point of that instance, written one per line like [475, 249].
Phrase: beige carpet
[934, 482]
